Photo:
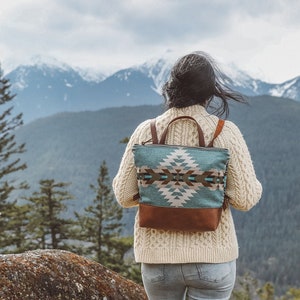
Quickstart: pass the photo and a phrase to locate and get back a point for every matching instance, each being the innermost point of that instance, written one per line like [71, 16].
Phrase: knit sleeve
[243, 188]
[124, 184]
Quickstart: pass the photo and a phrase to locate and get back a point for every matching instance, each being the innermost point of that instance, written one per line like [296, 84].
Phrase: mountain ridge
[45, 88]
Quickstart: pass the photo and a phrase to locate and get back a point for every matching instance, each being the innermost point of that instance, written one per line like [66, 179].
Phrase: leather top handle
[164, 134]
[200, 132]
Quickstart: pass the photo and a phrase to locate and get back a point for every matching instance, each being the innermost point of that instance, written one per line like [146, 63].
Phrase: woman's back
[192, 85]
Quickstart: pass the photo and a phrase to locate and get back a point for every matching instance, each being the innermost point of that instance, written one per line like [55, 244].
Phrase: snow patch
[255, 86]
[20, 83]
[158, 70]
[280, 89]
[90, 75]
[43, 61]
[124, 76]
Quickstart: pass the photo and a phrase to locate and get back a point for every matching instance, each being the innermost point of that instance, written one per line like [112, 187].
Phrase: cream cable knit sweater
[243, 189]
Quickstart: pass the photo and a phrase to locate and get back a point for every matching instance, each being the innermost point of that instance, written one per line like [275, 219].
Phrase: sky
[261, 37]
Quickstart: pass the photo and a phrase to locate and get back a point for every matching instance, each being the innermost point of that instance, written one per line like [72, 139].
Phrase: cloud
[116, 33]
[172, 21]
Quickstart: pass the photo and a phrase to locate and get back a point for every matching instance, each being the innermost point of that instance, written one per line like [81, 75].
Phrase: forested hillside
[70, 147]
[270, 233]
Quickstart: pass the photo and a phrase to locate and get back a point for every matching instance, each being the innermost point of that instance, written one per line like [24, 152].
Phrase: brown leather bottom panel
[179, 219]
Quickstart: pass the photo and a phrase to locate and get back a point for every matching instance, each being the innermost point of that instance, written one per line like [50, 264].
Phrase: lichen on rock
[58, 274]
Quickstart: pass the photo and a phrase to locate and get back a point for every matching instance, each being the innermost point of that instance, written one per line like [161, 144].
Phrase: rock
[57, 274]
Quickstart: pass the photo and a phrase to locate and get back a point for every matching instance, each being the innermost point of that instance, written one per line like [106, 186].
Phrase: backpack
[181, 188]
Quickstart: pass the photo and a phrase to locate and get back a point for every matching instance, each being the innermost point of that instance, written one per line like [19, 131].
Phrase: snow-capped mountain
[158, 70]
[288, 89]
[46, 86]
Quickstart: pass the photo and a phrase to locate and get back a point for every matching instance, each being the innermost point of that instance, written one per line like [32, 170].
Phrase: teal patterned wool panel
[178, 176]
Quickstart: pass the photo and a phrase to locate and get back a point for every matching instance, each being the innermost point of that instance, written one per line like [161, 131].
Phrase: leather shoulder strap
[153, 131]
[218, 130]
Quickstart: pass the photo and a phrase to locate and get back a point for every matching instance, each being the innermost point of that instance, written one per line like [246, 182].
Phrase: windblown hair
[196, 79]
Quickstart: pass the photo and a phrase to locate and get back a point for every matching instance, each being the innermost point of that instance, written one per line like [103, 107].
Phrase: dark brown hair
[196, 79]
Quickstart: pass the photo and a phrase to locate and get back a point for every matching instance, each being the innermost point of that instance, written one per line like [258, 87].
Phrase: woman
[192, 265]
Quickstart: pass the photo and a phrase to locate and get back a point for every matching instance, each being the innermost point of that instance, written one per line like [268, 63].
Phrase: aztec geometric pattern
[176, 176]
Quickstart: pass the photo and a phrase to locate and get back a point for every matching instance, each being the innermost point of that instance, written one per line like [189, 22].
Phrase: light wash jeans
[189, 281]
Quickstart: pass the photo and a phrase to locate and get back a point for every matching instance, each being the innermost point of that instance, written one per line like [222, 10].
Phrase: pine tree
[47, 228]
[266, 292]
[101, 225]
[18, 233]
[247, 288]
[292, 294]
[9, 163]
